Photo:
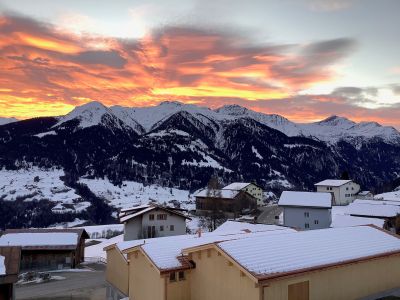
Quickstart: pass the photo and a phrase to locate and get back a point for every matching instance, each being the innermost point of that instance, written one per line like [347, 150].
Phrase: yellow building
[336, 263]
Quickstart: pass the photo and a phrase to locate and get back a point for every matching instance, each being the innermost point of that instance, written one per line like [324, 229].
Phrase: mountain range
[182, 145]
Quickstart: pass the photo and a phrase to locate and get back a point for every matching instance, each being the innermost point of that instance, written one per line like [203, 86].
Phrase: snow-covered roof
[2, 265]
[347, 221]
[306, 199]
[332, 182]
[392, 196]
[373, 210]
[40, 239]
[234, 226]
[364, 193]
[291, 252]
[237, 186]
[164, 252]
[224, 193]
[376, 202]
[125, 216]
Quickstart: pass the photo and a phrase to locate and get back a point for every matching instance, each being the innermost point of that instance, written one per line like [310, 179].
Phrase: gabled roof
[51, 239]
[306, 199]
[373, 210]
[332, 182]
[237, 186]
[224, 193]
[234, 226]
[131, 213]
[347, 221]
[165, 252]
[305, 251]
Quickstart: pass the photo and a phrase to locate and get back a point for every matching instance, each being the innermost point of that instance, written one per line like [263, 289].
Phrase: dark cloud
[108, 58]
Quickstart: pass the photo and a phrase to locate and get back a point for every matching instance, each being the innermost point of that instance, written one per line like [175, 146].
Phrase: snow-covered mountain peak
[337, 121]
[4, 121]
[88, 115]
[232, 110]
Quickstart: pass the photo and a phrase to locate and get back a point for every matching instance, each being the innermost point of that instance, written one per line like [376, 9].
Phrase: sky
[303, 59]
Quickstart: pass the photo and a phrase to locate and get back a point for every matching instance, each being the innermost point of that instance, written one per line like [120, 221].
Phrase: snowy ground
[37, 184]
[133, 193]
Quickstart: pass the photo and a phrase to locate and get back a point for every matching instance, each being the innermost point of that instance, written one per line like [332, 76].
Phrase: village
[336, 242]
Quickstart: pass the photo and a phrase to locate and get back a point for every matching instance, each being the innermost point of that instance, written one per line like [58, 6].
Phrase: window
[162, 217]
[316, 222]
[306, 225]
[171, 227]
[181, 275]
[172, 277]
[347, 189]
[306, 214]
[276, 217]
[161, 228]
[151, 217]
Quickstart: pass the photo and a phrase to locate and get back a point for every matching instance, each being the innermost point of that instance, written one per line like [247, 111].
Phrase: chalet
[367, 195]
[152, 220]
[47, 249]
[9, 270]
[306, 210]
[160, 271]
[229, 202]
[252, 188]
[343, 191]
[332, 263]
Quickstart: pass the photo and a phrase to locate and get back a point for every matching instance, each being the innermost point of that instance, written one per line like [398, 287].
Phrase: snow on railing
[96, 259]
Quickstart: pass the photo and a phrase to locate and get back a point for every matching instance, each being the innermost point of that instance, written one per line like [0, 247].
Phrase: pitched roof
[164, 252]
[237, 186]
[347, 221]
[306, 199]
[303, 251]
[376, 202]
[131, 213]
[43, 238]
[234, 226]
[333, 182]
[224, 193]
[392, 196]
[373, 210]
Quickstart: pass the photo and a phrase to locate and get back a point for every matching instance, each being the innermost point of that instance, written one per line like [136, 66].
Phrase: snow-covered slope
[133, 193]
[40, 184]
[4, 121]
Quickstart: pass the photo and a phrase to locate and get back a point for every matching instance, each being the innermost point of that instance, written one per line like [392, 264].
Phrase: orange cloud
[47, 71]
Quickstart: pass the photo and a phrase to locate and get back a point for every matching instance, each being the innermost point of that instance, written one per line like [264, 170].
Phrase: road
[77, 285]
[268, 214]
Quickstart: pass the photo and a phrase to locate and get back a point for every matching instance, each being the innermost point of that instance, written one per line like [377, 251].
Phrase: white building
[251, 188]
[150, 221]
[343, 191]
[306, 210]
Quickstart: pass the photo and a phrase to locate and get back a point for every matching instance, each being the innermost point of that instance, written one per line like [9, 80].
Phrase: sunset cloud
[47, 70]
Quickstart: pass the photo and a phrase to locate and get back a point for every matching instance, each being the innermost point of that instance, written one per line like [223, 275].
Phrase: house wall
[179, 289]
[296, 217]
[344, 194]
[46, 259]
[145, 282]
[215, 279]
[256, 192]
[172, 219]
[117, 272]
[133, 229]
[343, 283]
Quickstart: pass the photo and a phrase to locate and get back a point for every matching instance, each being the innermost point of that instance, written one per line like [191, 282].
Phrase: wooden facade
[50, 257]
[12, 263]
[234, 205]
